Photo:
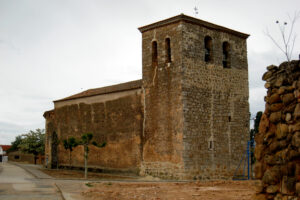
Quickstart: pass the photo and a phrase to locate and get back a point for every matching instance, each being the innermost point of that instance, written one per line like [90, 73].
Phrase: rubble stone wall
[162, 134]
[215, 104]
[118, 122]
[278, 142]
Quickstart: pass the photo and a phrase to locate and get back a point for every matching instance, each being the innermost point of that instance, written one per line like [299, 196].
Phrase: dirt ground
[118, 187]
[214, 190]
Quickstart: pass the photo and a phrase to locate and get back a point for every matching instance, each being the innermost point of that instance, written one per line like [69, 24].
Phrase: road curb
[60, 191]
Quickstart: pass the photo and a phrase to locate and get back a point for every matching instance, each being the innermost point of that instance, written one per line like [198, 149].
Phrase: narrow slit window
[168, 50]
[154, 53]
[210, 144]
[226, 55]
[208, 49]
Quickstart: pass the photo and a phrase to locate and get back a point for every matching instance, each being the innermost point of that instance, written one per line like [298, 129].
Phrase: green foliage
[86, 140]
[89, 184]
[15, 144]
[253, 132]
[256, 125]
[257, 120]
[70, 143]
[33, 142]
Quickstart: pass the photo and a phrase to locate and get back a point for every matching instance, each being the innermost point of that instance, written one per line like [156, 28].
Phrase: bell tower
[195, 93]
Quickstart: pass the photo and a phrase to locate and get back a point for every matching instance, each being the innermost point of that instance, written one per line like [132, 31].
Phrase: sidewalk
[33, 170]
[69, 189]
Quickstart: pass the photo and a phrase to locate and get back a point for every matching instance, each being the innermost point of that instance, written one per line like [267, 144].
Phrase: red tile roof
[105, 90]
[5, 147]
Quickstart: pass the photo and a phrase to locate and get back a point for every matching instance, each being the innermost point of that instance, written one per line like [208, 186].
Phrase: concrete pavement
[68, 189]
[16, 183]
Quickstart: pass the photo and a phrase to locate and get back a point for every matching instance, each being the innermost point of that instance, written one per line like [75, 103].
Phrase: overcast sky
[50, 49]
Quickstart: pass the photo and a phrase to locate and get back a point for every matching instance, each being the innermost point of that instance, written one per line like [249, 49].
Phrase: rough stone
[290, 108]
[279, 81]
[294, 128]
[278, 196]
[288, 117]
[272, 68]
[258, 152]
[258, 170]
[260, 197]
[288, 185]
[280, 155]
[267, 75]
[272, 189]
[259, 187]
[288, 98]
[271, 176]
[276, 107]
[296, 139]
[264, 124]
[297, 111]
[275, 117]
[267, 85]
[298, 188]
[274, 98]
[274, 146]
[282, 131]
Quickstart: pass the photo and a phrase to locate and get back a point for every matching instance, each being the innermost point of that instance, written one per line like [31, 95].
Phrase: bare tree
[288, 36]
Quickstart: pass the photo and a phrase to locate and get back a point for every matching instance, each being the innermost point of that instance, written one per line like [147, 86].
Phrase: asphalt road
[16, 183]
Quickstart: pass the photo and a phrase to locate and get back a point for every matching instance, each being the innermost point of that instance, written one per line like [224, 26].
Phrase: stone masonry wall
[278, 142]
[118, 122]
[162, 152]
[216, 109]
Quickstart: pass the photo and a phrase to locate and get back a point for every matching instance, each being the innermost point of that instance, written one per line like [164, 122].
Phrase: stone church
[187, 118]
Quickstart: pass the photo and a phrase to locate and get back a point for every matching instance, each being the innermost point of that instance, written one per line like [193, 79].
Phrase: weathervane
[196, 9]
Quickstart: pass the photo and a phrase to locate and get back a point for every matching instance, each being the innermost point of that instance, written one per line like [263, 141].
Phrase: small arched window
[226, 55]
[208, 49]
[168, 50]
[154, 53]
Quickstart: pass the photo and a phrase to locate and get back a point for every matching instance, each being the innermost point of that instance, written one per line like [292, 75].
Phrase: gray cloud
[52, 49]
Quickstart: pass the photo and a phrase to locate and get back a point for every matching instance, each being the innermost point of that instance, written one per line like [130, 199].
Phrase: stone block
[279, 81]
[267, 75]
[288, 117]
[294, 128]
[271, 176]
[258, 152]
[264, 124]
[296, 139]
[278, 196]
[288, 185]
[276, 107]
[258, 170]
[282, 131]
[290, 108]
[275, 117]
[274, 98]
[276, 145]
[288, 98]
[297, 111]
[293, 154]
[260, 197]
[298, 189]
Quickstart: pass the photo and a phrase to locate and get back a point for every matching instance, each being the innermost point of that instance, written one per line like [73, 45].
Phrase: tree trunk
[70, 159]
[85, 161]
